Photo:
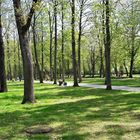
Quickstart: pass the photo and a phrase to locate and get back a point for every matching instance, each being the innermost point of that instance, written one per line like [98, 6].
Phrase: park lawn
[74, 113]
[132, 82]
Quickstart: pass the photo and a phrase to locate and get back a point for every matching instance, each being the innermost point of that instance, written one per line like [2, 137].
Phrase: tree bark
[27, 69]
[63, 63]
[9, 69]
[127, 74]
[108, 47]
[23, 28]
[132, 52]
[84, 70]
[79, 40]
[55, 43]
[3, 85]
[35, 50]
[73, 44]
[42, 52]
[51, 39]
[19, 64]
[131, 66]
[116, 69]
[15, 64]
[101, 63]
[93, 63]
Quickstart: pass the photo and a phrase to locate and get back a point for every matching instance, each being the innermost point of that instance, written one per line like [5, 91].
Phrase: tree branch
[29, 16]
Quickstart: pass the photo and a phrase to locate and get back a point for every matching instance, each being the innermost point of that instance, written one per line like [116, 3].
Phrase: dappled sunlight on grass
[74, 113]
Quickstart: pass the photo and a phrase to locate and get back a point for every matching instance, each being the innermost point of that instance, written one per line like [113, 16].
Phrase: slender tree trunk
[15, 63]
[89, 68]
[101, 59]
[73, 44]
[84, 70]
[132, 54]
[51, 39]
[19, 64]
[42, 53]
[68, 68]
[101, 56]
[63, 63]
[132, 44]
[3, 85]
[127, 74]
[108, 47]
[103, 32]
[9, 59]
[79, 41]
[93, 63]
[55, 43]
[101, 63]
[131, 66]
[35, 51]
[116, 69]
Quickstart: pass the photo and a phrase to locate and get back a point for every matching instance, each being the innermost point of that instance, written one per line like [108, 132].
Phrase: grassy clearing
[74, 113]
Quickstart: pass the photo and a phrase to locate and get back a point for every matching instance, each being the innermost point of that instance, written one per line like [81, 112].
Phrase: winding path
[125, 88]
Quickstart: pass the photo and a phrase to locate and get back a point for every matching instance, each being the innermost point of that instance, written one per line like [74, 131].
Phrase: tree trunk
[27, 69]
[19, 64]
[101, 57]
[23, 28]
[3, 85]
[15, 64]
[9, 59]
[68, 68]
[132, 53]
[127, 74]
[108, 47]
[55, 44]
[84, 70]
[42, 53]
[63, 63]
[51, 39]
[116, 69]
[131, 66]
[101, 63]
[79, 41]
[35, 51]
[93, 63]
[73, 44]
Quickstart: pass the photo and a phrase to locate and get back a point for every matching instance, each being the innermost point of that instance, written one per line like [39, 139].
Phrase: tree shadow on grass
[82, 106]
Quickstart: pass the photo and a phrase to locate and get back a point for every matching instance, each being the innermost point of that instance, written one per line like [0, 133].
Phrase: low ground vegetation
[73, 113]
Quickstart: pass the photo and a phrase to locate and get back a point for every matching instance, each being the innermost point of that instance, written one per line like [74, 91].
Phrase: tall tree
[51, 17]
[55, 43]
[15, 63]
[73, 43]
[9, 68]
[63, 63]
[3, 85]
[42, 51]
[79, 38]
[133, 50]
[23, 24]
[19, 63]
[35, 49]
[107, 46]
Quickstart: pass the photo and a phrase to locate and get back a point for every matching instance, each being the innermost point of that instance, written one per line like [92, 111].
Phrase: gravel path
[125, 88]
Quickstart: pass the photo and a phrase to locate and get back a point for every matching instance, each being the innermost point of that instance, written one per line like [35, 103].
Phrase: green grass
[133, 82]
[74, 113]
